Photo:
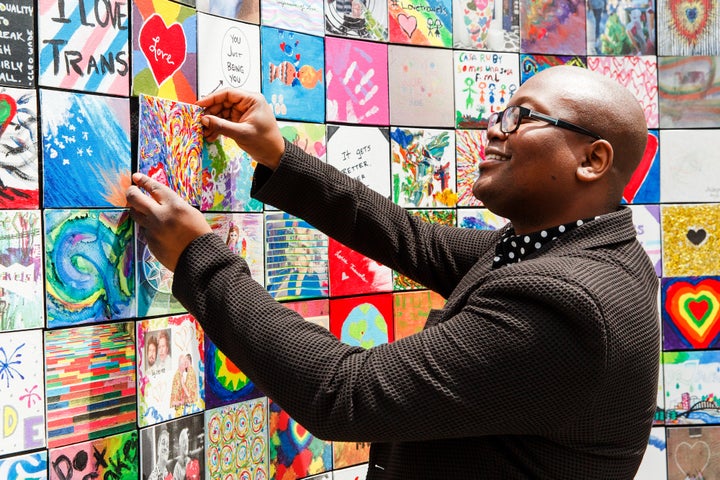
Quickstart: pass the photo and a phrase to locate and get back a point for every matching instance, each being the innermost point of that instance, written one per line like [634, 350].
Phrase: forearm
[357, 216]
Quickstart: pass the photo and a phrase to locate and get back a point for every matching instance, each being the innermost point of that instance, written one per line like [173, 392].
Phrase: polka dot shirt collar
[513, 248]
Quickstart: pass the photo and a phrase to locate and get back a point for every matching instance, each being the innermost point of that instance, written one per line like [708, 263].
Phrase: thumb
[159, 192]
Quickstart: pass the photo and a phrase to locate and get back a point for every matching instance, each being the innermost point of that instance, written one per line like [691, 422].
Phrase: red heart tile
[164, 47]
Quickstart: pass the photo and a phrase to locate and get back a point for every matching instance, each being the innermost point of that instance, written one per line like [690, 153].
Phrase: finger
[139, 203]
[159, 192]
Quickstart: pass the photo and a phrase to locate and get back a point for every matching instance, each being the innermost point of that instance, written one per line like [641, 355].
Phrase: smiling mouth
[493, 157]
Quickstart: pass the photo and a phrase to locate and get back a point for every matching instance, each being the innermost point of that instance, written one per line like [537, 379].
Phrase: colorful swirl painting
[89, 266]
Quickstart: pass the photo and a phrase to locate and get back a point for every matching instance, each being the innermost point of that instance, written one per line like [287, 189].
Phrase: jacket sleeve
[437, 256]
[477, 373]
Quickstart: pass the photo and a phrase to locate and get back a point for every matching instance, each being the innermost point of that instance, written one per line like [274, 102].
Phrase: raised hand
[247, 118]
[168, 221]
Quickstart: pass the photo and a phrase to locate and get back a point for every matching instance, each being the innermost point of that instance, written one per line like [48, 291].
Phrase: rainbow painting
[90, 382]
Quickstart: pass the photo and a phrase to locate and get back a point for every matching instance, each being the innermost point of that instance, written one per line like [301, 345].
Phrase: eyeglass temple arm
[563, 124]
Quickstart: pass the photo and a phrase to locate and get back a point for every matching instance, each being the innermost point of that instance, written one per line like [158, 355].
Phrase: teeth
[493, 156]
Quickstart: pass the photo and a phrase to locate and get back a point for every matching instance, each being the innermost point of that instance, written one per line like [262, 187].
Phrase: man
[545, 367]
[151, 347]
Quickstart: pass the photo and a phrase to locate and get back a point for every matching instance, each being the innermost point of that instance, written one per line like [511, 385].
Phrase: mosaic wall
[102, 372]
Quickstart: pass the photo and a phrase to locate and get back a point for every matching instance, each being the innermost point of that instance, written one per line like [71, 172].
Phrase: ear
[597, 161]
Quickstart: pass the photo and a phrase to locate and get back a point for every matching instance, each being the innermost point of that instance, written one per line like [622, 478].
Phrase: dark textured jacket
[543, 369]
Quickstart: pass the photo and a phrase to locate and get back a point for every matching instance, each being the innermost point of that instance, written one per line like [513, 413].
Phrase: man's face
[162, 348]
[531, 172]
[151, 354]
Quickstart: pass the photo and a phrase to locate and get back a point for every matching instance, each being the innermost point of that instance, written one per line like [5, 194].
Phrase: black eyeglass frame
[497, 117]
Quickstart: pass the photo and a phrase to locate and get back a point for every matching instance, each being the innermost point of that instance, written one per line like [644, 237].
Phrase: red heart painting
[8, 109]
[164, 47]
[694, 309]
[690, 18]
[641, 172]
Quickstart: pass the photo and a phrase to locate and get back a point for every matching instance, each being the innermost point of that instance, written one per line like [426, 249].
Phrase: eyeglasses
[511, 117]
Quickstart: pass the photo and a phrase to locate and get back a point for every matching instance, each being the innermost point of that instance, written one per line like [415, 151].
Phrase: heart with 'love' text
[8, 109]
[694, 309]
[164, 47]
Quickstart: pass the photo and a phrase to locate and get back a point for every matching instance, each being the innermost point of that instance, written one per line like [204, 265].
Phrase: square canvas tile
[86, 149]
[243, 234]
[690, 308]
[421, 86]
[486, 25]
[637, 74]
[644, 184]
[421, 22]
[89, 266]
[305, 16]
[352, 273]
[654, 462]
[19, 165]
[484, 84]
[365, 321]
[411, 309]
[245, 10]
[170, 368]
[689, 168]
[346, 454]
[84, 46]
[225, 382]
[469, 152]
[622, 29]
[154, 283]
[230, 54]
[687, 91]
[688, 28]
[647, 226]
[294, 452]
[236, 440]
[554, 27]
[315, 311]
[691, 452]
[292, 74]
[356, 81]
[423, 167]
[362, 153]
[164, 50]
[690, 239]
[17, 58]
[479, 219]
[21, 270]
[27, 466]
[296, 256]
[351, 473]
[364, 19]
[311, 137]
[170, 143]
[175, 449]
[227, 173]
[530, 64]
[691, 384]
[113, 456]
[90, 382]
[22, 391]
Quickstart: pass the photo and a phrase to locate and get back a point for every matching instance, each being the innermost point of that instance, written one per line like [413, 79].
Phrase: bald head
[604, 106]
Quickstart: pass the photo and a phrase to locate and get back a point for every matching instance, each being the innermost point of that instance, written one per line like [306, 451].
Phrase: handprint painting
[357, 81]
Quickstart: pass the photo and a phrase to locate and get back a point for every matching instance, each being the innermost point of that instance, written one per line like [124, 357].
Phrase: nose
[495, 132]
